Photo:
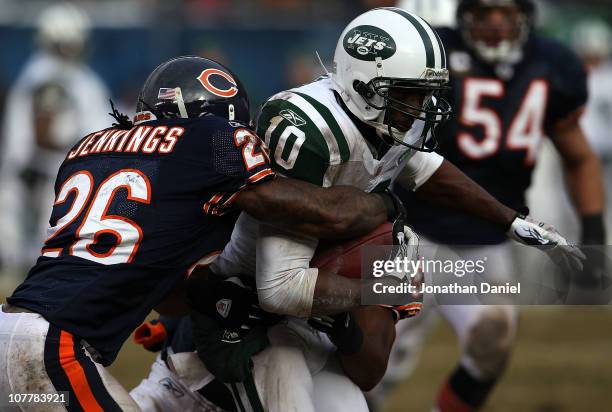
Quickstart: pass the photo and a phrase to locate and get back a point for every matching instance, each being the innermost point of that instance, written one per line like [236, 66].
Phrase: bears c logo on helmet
[204, 78]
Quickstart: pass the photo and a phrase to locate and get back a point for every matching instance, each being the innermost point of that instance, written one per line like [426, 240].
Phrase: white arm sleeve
[238, 256]
[418, 170]
[285, 281]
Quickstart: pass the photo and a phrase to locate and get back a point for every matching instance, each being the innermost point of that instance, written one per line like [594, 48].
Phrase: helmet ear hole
[363, 89]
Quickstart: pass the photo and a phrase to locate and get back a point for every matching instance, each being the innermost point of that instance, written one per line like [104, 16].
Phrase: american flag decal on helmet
[166, 94]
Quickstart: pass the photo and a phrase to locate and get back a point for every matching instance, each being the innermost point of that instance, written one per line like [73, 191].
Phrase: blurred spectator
[285, 4]
[438, 13]
[213, 52]
[55, 101]
[302, 68]
[591, 40]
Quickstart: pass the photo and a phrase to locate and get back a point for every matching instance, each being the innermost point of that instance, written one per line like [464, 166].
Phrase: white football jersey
[597, 118]
[311, 138]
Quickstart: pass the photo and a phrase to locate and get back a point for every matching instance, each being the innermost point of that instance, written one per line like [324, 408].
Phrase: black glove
[342, 330]
[228, 326]
[227, 353]
[227, 301]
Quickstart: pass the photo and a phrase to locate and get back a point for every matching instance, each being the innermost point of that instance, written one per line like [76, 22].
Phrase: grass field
[562, 362]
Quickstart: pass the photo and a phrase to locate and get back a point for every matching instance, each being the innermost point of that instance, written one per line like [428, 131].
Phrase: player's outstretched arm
[336, 212]
[584, 181]
[449, 187]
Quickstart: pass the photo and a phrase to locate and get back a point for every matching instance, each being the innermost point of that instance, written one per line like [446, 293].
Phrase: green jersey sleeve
[302, 143]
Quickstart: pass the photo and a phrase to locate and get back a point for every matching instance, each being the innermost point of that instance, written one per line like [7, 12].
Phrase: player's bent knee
[489, 340]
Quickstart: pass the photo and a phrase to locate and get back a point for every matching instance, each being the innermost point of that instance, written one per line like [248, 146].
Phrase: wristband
[389, 205]
[593, 230]
[393, 205]
[521, 213]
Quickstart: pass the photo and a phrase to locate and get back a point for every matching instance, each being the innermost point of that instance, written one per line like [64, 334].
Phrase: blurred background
[58, 69]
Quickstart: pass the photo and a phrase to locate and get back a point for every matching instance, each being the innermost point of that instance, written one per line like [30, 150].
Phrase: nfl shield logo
[223, 307]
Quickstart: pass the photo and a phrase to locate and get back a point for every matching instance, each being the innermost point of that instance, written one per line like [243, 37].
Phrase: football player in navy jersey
[511, 88]
[136, 206]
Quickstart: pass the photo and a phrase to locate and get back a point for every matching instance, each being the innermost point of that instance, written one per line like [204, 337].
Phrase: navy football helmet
[191, 87]
[500, 40]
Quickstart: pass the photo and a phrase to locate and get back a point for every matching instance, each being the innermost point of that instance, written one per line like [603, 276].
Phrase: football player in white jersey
[56, 100]
[364, 125]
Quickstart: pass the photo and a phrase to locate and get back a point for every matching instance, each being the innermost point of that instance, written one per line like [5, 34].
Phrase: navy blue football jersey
[501, 115]
[134, 210]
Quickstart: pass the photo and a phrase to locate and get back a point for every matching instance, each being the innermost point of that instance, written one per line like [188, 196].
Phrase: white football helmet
[379, 54]
[64, 28]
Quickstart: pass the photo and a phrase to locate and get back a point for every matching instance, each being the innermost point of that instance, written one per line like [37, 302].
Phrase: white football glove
[531, 233]
[406, 243]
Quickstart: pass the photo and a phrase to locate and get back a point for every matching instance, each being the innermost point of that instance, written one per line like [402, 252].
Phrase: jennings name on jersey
[501, 116]
[134, 210]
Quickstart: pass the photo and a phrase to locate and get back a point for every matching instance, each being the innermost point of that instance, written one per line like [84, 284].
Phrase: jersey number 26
[96, 221]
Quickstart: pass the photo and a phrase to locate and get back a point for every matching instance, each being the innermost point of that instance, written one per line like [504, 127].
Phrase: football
[344, 258]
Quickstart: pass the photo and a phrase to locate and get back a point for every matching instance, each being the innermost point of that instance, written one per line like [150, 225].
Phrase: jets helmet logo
[207, 76]
[368, 42]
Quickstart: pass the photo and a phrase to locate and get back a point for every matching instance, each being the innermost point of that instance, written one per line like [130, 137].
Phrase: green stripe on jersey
[331, 123]
[303, 152]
